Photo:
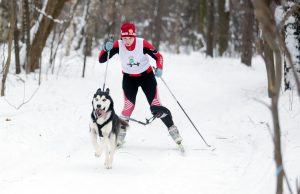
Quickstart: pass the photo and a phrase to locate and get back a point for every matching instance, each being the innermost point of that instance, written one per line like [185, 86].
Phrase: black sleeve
[150, 52]
[103, 55]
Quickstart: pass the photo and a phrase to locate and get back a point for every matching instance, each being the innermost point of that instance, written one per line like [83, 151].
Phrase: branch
[24, 102]
[282, 168]
[262, 102]
[49, 16]
[294, 9]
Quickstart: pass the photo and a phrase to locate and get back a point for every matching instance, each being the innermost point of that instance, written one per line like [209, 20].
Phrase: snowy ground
[45, 145]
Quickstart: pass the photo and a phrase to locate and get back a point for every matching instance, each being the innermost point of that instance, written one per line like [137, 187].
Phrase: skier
[137, 72]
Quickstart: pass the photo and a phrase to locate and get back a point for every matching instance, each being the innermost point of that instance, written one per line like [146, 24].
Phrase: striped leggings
[148, 84]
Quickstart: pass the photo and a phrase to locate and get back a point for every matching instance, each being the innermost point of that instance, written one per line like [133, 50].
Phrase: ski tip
[213, 148]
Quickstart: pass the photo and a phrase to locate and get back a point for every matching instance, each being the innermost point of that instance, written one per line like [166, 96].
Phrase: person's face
[128, 41]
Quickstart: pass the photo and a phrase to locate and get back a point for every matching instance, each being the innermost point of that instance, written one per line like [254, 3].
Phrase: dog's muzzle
[100, 113]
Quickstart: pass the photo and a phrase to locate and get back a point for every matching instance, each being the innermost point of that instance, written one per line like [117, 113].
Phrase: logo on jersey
[132, 63]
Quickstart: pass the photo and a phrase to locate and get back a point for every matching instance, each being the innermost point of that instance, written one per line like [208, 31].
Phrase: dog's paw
[98, 154]
[98, 151]
[108, 166]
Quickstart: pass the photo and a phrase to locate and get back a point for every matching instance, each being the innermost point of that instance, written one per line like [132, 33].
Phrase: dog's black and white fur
[105, 126]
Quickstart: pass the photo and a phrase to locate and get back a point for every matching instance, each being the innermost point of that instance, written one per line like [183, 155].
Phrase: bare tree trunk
[294, 70]
[277, 154]
[52, 57]
[291, 28]
[70, 36]
[16, 42]
[192, 9]
[4, 20]
[297, 186]
[53, 9]
[38, 4]
[10, 42]
[61, 30]
[210, 28]
[111, 17]
[267, 53]
[266, 18]
[85, 49]
[26, 29]
[177, 27]
[157, 23]
[23, 24]
[236, 21]
[202, 16]
[223, 26]
[91, 21]
[247, 33]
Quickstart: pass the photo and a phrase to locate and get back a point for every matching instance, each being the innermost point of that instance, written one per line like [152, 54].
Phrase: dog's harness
[94, 118]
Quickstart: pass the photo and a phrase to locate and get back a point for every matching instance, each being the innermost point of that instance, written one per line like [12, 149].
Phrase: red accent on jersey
[159, 58]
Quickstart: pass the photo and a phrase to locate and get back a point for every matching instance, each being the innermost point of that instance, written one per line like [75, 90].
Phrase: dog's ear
[107, 90]
[99, 90]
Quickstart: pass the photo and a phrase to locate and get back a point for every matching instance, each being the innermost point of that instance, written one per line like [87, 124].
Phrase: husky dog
[105, 125]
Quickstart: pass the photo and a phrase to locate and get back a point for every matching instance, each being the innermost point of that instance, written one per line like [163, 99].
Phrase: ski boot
[173, 131]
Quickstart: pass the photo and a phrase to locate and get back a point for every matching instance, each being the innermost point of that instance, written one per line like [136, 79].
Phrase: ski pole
[105, 75]
[106, 70]
[184, 111]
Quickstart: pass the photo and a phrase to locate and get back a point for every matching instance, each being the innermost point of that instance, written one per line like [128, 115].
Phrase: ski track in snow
[45, 145]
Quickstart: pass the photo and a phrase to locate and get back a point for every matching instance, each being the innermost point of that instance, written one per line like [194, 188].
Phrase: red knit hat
[128, 30]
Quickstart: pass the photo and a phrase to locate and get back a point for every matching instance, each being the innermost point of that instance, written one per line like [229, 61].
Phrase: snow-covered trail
[45, 146]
